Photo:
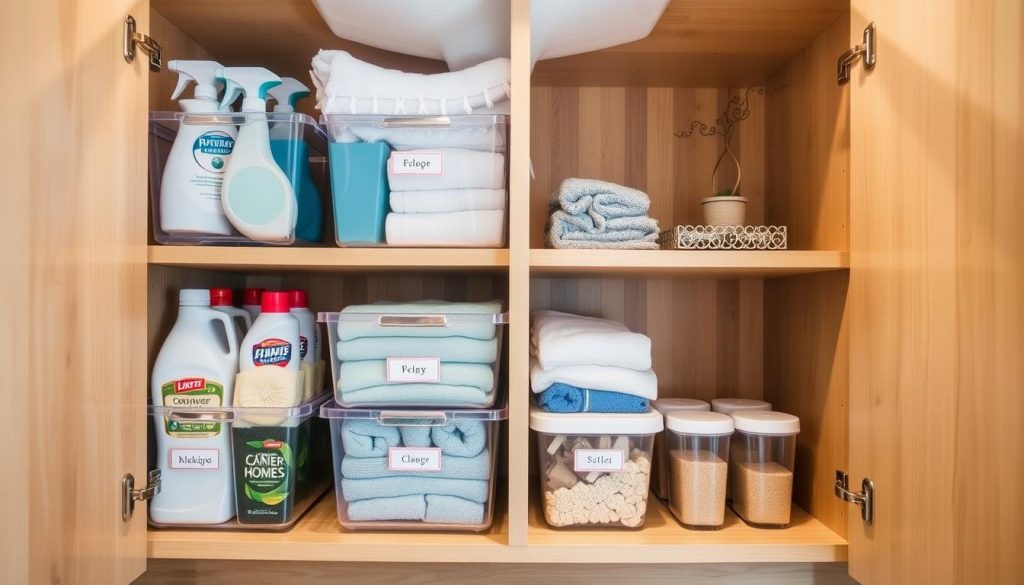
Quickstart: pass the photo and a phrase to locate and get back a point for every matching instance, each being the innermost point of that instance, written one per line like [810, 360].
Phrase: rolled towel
[452, 467]
[359, 321]
[390, 487]
[446, 200]
[457, 168]
[415, 436]
[481, 229]
[642, 383]
[447, 349]
[462, 438]
[356, 376]
[453, 510]
[368, 438]
[566, 398]
[563, 339]
[412, 507]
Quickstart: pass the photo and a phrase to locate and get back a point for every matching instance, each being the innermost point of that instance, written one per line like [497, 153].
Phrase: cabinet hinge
[133, 38]
[864, 498]
[865, 51]
[130, 495]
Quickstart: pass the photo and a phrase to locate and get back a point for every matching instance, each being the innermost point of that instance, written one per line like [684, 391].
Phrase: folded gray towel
[588, 213]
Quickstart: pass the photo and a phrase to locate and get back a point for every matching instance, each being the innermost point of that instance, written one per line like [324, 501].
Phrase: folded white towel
[642, 383]
[450, 168]
[488, 136]
[562, 339]
[482, 229]
[346, 85]
[444, 200]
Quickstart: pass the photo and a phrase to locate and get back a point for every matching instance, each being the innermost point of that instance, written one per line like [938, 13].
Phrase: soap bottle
[195, 368]
[309, 340]
[190, 188]
[223, 300]
[273, 339]
[292, 155]
[257, 197]
[251, 300]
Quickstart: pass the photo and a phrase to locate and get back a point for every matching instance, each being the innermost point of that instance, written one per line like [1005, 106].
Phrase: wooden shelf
[685, 263]
[318, 537]
[329, 259]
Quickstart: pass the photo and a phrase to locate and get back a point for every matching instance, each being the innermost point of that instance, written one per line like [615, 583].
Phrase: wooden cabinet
[892, 326]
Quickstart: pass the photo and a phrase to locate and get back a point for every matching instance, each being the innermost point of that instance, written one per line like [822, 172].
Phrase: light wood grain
[937, 274]
[682, 263]
[709, 42]
[176, 45]
[330, 259]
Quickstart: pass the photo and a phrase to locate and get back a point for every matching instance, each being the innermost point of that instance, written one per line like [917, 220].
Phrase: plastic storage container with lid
[659, 473]
[698, 444]
[414, 469]
[762, 473]
[595, 468]
[419, 181]
[427, 354]
[731, 405]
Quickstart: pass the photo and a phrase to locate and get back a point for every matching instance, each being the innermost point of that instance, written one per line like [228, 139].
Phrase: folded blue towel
[452, 467]
[462, 438]
[366, 383]
[417, 394]
[415, 436]
[453, 510]
[587, 213]
[400, 508]
[390, 487]
[447, 349]
[368, 438]
[354, 329]
[561, 397]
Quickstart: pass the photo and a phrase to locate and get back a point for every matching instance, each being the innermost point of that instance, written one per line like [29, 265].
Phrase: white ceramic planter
[724, 210]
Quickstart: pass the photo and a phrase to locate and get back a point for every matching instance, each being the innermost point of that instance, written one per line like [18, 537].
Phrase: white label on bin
[598, 460]
[417, 162]
[421, 370]
[413, 459]
[195, 458]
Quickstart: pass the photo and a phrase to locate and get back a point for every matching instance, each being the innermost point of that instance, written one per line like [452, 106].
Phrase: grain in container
[698, 447]
[659, 473]
[762, 474]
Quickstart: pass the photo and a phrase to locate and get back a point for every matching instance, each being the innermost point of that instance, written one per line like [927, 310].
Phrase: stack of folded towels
[456, 495]
[587, 213]
[585, 364]
[468, 354]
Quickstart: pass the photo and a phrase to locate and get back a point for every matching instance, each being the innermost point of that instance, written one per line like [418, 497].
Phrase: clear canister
[730, 406]
[762, 475]
[659, 471]
[698, 444]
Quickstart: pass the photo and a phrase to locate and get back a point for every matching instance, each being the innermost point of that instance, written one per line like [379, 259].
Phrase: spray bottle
[190, 190]
[292, 154]
[257, 197]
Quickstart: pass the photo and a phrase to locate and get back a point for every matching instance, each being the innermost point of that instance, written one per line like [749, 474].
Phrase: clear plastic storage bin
[278, 461]
[416, 181]
[698, 445]
[186, 202]
[660, 471]
[414, 470]
[595, 468]
[415, 359]
[730, 406]
[762, 474]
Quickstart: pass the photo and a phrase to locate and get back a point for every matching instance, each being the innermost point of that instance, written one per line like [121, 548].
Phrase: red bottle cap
[298, 299]
[275, 302]
[222, 297]
[252, 296]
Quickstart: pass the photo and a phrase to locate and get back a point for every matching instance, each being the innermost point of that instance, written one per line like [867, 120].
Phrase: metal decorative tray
[724, 237]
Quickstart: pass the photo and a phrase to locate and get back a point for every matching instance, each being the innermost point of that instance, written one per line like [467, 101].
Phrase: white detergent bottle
[273, 339]
[309, 341]
[195, 368]
[251, 301]
[190, 189]
[257, 196]
[223, 300]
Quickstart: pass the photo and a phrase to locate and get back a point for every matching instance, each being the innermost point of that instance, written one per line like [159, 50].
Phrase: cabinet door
[74, 314]
[936, 289]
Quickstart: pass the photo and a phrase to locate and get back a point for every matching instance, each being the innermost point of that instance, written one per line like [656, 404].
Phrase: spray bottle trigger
[183, 80]
[231, 92]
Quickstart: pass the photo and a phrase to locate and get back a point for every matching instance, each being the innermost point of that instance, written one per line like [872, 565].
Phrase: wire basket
[724, 237]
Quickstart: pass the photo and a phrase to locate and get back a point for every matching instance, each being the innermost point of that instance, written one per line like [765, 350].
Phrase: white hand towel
[445, 200]
[451, 168]
[609, 378]
[485, 136]
[482, 229]
[562, 339]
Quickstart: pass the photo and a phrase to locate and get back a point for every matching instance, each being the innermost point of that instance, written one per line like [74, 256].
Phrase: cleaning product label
[416, 162]
[598, 460]
[211, 150]
[421, 370]
[272, 352]
[191, 393]
[303, 347]
[265, 464]
[194, 458]
[414, 459]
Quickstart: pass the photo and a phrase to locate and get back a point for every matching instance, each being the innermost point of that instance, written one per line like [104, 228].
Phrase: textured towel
[460, 169]
[566, 398]
[464, 438]
[368, 438]
[587, 213]
[452, 467]
[356, 376]
[453, 510]
[416, 435]
[562, 339]
[417, 395]
[642, 383]
[479, 229]
[412, 507]
[447, 349]
[486, 137]
[352, 326]
[446, 200]
[391, 487]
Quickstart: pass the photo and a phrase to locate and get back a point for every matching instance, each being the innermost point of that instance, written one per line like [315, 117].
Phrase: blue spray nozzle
[288, 94]
[252, 82]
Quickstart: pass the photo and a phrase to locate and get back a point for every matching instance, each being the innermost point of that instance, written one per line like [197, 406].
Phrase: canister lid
[667, 405]
[595, 423]
[766, 422]
[695, 422]
[731, 405]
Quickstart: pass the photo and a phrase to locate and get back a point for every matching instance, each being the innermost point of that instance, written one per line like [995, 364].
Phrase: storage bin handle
[411, 418]
[412, 321]
[426, 122]
[215, 416]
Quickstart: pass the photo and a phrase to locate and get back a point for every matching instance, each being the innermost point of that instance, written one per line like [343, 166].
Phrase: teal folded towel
[452, 467]
[561, 397]
[415, 436]
[453, 510]
[368, 438]
[447, 349]
[355, 329]
[463, 438]
[390, 487]
[366, 383]
[400, 508]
